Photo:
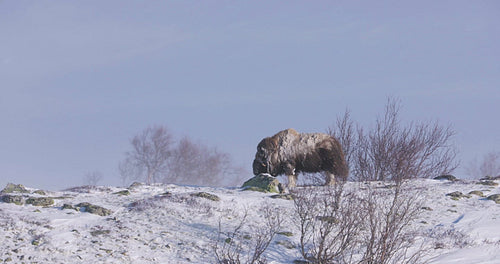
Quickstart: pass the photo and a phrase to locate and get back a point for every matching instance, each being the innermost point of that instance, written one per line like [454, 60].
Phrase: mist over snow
[78, 79]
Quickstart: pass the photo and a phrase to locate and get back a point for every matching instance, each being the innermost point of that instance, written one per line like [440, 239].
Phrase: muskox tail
[340, 168]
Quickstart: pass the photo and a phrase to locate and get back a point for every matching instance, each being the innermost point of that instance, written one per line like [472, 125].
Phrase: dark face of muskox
[261, 161]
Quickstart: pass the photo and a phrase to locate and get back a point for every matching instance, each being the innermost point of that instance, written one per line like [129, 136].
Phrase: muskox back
[289, 152]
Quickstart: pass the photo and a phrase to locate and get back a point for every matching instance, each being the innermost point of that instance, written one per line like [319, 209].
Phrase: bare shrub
[156, 157]
[356, 226]
[226, 248]
[92, 178]
[392, 151]
[170, 202]
[148, 159]
[328, 223]
[448, 237]
[7, 223]
[88, 189]
[236, 246]
[489, 166]
[389, 236]
[151, 203]
[194, 163]
[343, 130]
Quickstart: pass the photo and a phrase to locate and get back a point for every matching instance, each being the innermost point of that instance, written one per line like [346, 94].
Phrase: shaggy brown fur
[289, 152]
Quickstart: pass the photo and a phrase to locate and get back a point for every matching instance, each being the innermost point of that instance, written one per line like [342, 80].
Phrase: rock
[14, 188]
[286, 233]
[448, 177]
[68, 206]
[478, 193]
[40, 201]
[487, 183]
[494, 197]
[62, 197]
[282, 196]
[490, 178]
[109, 251]
[206, 195]
[93, 209]
[124, 192]
[286, 244]
[457, 195]
[165, 194]
[100, 232]
[15, 199]
[262, 183]
[40, 192]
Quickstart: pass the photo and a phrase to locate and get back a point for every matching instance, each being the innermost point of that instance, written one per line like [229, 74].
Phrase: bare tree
[92, 178]
[156, 157]
[328, 223]
[388, 236]
[344, 131]
[391, 151]
[489, 166]
[149, 157]
[227, 247]
[185, 163]
[356, 226]
[264, 236]
[195, 163]
[234, 247]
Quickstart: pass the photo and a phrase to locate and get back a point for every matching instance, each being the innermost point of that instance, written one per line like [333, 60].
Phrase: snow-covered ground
[167, 224]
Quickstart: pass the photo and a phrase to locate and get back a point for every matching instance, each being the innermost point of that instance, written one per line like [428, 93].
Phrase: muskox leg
[292, 176]
[330, 178]
[292, 181]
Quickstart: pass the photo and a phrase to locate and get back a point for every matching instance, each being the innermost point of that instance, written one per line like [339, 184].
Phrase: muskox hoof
[330, 180]
[281, 188]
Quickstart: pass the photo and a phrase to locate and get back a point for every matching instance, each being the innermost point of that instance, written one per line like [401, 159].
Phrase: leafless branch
[356, 226]
[488, 167]
[156, 157]
[236, 248]
[149, 156]
[92, 178]
[345, 132]
[392, 151]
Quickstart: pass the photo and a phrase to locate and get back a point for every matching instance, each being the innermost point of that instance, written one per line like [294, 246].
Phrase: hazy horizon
[80, 79]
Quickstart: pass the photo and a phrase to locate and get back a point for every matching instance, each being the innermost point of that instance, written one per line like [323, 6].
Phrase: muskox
[289, 152]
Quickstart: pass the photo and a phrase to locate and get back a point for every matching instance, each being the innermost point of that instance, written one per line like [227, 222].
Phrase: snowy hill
[180, 224]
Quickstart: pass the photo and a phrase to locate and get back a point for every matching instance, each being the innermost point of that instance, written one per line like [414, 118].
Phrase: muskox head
[262, 162]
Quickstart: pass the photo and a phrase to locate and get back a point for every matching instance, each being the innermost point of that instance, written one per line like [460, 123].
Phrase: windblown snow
[174, 224]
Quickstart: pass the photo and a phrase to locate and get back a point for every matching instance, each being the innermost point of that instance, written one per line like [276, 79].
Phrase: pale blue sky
[78, 79]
